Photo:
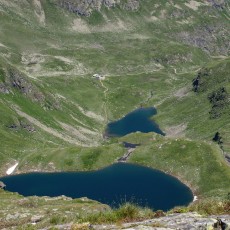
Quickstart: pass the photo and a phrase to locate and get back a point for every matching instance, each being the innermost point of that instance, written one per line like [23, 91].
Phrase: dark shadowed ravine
[138, 120]
[112, 185]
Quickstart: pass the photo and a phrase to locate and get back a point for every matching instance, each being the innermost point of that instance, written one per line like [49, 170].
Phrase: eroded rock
[2, 185]
[182, 221]
[85, 7]
[3, 89]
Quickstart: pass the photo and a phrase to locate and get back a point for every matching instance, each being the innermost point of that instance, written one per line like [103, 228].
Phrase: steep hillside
[173, 55]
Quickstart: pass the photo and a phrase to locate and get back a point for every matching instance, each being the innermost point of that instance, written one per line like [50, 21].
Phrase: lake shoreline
[138, 120]
[188, 185]
[194, 191]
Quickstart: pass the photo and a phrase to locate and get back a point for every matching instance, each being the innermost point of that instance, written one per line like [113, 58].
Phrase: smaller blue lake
[138, 120]
[113, 185]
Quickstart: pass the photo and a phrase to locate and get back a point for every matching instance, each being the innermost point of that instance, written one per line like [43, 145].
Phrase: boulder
[2, 185]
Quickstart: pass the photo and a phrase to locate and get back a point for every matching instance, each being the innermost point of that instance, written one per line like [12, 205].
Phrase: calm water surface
[138, 120]
[112, 185]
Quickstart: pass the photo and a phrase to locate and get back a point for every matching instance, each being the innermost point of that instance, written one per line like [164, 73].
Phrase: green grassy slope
[53, 113]
[46, 210]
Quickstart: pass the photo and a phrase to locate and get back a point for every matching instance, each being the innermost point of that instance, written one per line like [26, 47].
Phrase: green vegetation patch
[201, 165]
[157, 55]
[220, 101]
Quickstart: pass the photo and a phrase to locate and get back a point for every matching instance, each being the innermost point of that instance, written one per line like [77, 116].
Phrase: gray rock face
[85, 7]
[3, 89]
[205, 38]
[18, 82]
[22, 125]
[132, 5]
[182, 221]
[219, 4]
[2, 185]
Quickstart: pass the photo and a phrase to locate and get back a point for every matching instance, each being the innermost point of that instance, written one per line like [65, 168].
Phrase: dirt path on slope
[105, 103]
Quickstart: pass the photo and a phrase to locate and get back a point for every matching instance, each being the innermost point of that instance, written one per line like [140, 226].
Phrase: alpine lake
[113, 185]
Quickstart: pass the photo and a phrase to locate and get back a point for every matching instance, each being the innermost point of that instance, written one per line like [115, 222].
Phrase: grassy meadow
[54, 113]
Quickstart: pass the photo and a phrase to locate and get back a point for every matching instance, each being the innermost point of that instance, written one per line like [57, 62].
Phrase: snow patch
[11, 169]
[1, 45]
[195, 198]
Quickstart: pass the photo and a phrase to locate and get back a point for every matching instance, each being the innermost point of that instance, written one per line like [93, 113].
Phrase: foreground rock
[172, 221]
[2, 185]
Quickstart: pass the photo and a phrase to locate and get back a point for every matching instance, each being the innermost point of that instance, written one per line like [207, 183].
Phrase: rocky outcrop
[18, 82]
[85, 7]
[219, 4]
[4, 89]
[2, 185]
[183, 221]
[200, 83]
[78, 8]
[22, 125]
[219, 100]
[173, 221]
[205, 37]
[132, 5]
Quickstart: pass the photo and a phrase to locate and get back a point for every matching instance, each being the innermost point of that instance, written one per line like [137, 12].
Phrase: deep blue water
[112, 185]
[138, 120]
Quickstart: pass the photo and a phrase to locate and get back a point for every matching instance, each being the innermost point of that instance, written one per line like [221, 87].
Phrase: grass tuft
[127, 212]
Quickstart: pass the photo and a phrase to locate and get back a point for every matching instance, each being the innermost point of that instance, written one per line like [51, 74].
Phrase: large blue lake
[138, 120]
[113, 185]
